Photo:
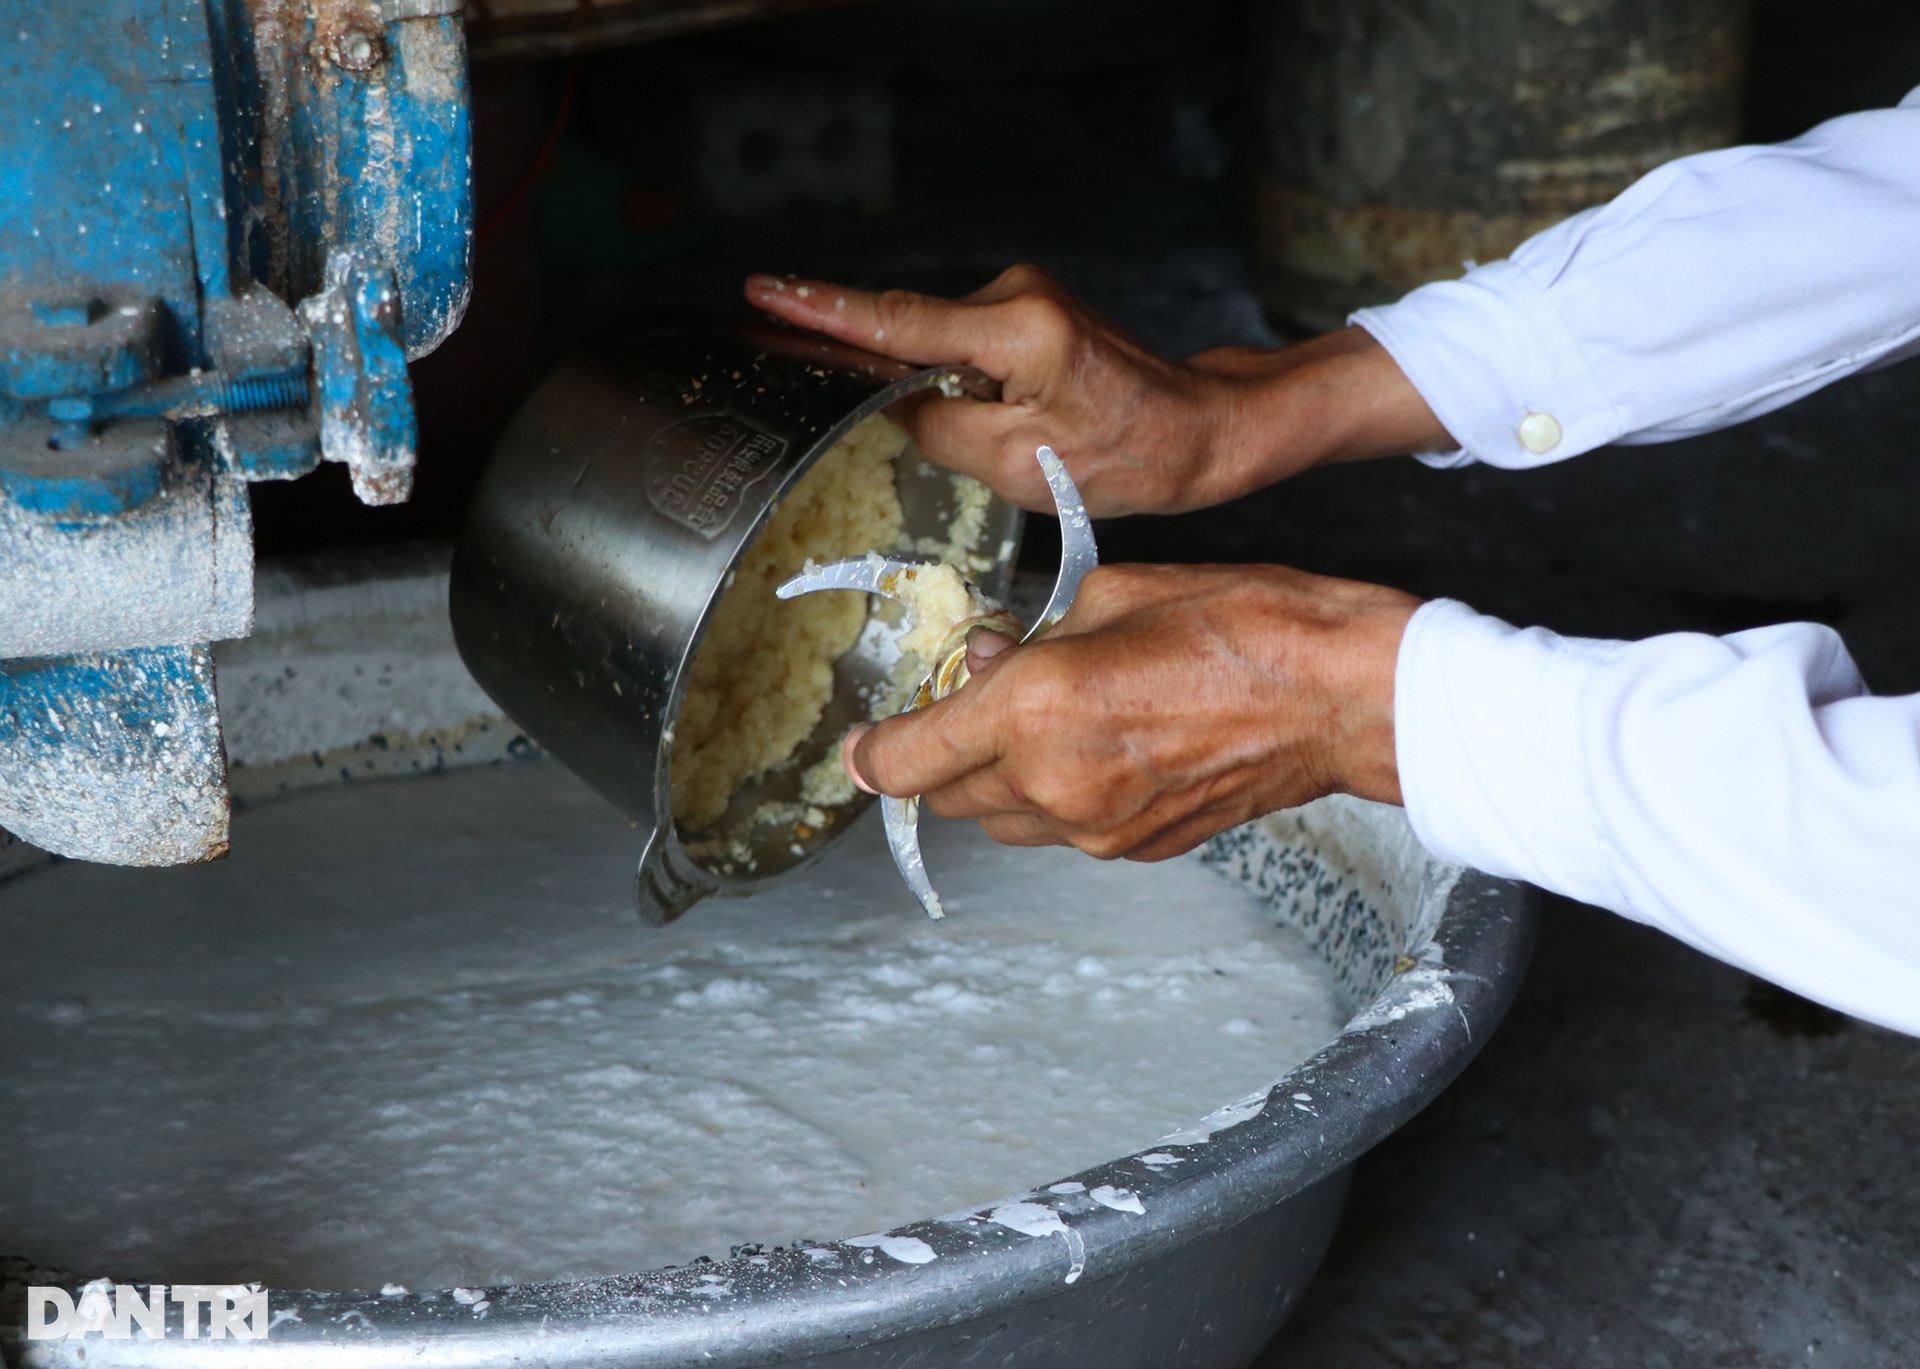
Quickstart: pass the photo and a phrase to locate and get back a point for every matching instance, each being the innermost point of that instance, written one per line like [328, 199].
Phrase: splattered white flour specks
[410, 1034]
[906, 1249]
[1232, 1115]
[1036, 1219]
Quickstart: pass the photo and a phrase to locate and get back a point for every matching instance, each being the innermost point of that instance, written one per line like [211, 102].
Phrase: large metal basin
[1233, 1214]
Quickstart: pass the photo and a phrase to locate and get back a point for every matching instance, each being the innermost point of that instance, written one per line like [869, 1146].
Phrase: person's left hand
[1136, 431]
[1139, 434]
[1172, 703]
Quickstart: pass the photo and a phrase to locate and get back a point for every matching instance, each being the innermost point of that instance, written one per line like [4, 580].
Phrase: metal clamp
[360, 374]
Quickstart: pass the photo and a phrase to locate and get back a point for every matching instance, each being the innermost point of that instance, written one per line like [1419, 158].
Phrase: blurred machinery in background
[225, 227]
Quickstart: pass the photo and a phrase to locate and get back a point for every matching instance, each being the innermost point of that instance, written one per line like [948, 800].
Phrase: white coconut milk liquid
[412, 1033]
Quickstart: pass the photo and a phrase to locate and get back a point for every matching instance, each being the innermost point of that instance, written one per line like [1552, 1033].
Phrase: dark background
[1658, 1161]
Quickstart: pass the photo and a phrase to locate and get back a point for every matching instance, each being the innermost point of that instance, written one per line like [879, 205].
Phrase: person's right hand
[1171, 703]
[1138, 433]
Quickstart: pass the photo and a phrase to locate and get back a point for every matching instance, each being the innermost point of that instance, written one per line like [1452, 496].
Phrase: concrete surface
[1656, 1163]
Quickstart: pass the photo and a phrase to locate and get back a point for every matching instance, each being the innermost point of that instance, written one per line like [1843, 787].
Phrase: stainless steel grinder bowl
[610, 518]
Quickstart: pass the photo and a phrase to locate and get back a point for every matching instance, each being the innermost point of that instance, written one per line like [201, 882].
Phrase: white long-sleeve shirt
[1744, 793]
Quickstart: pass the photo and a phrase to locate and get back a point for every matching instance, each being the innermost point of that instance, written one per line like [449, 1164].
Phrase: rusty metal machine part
[225, 226]
[605, 527]
[883, 575]
[1398, 140]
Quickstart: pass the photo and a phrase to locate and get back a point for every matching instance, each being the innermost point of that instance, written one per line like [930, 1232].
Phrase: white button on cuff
[1539, 433]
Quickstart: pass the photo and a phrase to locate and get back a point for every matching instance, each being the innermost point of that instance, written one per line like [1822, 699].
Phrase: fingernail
[761, 284]
[846, 757]
[985, 643]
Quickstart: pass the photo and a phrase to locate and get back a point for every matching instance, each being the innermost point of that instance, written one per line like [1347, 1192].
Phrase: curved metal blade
[902, 818]
[876, 574]
[1078, 555]
[873, 573]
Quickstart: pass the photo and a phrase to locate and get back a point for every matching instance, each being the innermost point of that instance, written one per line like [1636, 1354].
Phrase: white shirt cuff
[1522, 380]
[1489, 742]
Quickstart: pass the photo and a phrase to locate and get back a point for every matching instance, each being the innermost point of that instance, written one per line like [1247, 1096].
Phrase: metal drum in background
[1398, 139]
[611, 517]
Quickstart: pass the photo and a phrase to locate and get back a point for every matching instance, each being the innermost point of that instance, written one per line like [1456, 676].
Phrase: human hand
[1172, 703]
[1138, 433]
[1135, 430]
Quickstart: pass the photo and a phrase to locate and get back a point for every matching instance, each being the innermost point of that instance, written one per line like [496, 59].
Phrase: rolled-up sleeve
[1714, 289]
[1744, 793]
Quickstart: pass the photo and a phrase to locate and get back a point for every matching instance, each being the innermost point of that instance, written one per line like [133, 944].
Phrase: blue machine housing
[225, 226]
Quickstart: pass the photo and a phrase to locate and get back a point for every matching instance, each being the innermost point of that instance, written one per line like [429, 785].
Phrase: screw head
[357, 49]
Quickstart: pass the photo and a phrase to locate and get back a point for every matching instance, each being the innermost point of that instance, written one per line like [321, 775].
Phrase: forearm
[1340, 397]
